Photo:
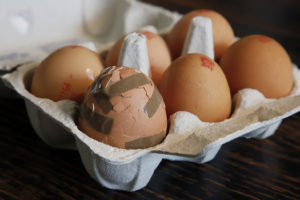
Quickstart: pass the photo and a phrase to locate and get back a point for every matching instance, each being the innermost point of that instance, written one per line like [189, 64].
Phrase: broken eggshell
[123, 108]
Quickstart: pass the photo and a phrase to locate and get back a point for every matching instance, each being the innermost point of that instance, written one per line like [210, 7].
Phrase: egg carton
[188, 138]
[25, 35]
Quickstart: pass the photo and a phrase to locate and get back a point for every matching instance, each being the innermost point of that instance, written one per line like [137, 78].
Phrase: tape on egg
[98, 122]
[126, 84]
[145, 142]
[103, 102]
[153, 103]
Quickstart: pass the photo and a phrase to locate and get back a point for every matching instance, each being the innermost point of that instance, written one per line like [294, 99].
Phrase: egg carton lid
[32, 30]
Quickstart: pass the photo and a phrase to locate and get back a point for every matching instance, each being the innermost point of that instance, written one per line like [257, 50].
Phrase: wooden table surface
[243, 169]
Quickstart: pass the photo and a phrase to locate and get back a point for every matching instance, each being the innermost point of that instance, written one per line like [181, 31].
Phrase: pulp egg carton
[30, 30]
[188, 138]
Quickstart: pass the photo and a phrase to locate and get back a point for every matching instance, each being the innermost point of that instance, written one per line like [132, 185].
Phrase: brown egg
[258, 62]
[158, 52]
[195, 83]
[124, 109]
[66, 74]
[223, 35]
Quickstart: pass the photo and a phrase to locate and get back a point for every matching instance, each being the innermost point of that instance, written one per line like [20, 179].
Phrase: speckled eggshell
[124, 109]
[66, 74]
[195, 83]
[258, 62]
[158, 52]
[223, 35]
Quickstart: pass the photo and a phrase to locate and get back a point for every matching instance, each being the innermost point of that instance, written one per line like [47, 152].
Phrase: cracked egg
[124, 109]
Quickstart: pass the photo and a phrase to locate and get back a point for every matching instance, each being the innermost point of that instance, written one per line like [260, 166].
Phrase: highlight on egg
[223, 35]
[66, 74]
[158, 52]
[195, 83]
[258, 62]
[124, 109]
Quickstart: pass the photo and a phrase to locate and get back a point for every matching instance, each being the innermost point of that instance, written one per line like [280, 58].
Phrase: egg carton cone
[30, 31]
[200, 26]
[188, 138]
[134, 53]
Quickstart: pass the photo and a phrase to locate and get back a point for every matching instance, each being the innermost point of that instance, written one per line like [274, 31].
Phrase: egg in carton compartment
[188, 138]
[30, 30]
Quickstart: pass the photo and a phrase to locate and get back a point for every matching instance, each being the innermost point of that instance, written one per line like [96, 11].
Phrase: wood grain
[243, 169]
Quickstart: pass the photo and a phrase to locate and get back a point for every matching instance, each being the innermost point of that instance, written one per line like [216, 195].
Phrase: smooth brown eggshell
[223, 35]
[66, 74]
[130, 121]
[158, 52]
[196, 84]
[258, 62]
